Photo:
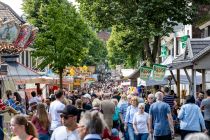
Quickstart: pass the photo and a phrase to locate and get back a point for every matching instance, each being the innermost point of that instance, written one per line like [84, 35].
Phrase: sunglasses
[66, 116]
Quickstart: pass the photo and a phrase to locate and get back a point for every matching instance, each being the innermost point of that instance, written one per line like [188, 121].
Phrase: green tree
[124, 47]
[63, 37]
[97, 51]
[149, 19]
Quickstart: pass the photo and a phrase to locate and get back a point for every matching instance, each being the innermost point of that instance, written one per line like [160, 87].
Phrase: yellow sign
[77, 82]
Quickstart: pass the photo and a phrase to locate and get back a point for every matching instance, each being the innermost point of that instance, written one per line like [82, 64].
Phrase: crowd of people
[111, 114]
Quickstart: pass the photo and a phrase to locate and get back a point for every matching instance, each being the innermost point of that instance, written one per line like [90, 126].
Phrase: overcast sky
[16, 5]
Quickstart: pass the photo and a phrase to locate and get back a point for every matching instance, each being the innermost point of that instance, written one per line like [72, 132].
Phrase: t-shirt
[38, 126]
[159, 111]
[169, 99]
[61, 133]
[206, 104]
[33, 100]
[116, 115]
[55, 106]
[141, 122]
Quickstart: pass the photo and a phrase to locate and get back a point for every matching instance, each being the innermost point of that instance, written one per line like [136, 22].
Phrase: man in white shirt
[69, 120]
[56, 106]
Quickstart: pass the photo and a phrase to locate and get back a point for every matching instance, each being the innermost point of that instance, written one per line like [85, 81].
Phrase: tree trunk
[61, 77]
[148, 52]
[155, 49]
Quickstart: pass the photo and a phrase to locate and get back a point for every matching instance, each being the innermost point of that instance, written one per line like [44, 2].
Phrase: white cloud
[15, 5]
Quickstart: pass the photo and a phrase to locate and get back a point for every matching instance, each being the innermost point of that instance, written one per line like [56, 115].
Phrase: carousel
[14, 39]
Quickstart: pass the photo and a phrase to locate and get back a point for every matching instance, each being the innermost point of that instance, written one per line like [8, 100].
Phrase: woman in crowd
[96, 105]
[41, 122]
[116, 116]
[91, 126]
[140, 123]
[191, 119]
[10, 101]
[131, 110]
[19, 103]
[78, 105]
[22, 129]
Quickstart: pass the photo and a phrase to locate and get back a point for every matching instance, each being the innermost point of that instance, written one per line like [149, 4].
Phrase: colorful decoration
[159, 72]
[24, 35]
[15, 38]
[32, 37]
[145, 72]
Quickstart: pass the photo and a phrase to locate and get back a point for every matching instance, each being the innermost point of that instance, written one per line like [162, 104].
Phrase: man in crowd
[200, 98]
[55, 106]
[160, 119]
[69, 129]
[87, 101]
[205, 106]
[168, 98]
[150, 100]
[108, 109]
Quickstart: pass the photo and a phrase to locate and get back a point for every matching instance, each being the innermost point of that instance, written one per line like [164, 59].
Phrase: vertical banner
[145, 73]
[164, 50]
[159, 72]
[183, 40]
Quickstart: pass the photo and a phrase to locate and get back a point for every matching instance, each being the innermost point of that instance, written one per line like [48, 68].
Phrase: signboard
[184, 41]
[145, 72]
[77, 82]
[159, 72]
[22, 87]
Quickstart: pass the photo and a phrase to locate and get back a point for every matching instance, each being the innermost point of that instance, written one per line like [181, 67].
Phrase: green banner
[159, 72]
[164, 51]
[183, 40]
[145, 72]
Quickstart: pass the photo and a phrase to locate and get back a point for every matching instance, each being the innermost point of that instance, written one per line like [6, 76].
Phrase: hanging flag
[164, 51]
[145, 72]
[183, 40]
[159, 72]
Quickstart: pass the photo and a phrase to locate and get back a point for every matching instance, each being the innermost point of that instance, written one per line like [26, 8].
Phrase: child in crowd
[115, 134]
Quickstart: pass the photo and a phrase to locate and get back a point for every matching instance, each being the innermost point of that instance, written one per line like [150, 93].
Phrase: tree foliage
[63, 38]
[97, 52]
[124, 47]
[149, 19]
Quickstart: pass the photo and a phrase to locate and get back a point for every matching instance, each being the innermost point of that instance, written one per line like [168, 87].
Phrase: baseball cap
[87, 96]
[115, 132]
[69, 110]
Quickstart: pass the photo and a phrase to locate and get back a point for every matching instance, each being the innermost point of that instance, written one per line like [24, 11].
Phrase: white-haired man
[160, 119]
[150, 101]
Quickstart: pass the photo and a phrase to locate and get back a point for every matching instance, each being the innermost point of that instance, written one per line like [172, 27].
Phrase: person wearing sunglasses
[69, 129]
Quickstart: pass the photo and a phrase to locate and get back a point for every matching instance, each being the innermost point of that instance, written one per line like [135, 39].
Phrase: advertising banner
[159, 72]
[145, 72]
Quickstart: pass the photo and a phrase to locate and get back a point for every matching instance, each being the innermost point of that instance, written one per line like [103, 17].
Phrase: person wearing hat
[87, 102]
[69, 129]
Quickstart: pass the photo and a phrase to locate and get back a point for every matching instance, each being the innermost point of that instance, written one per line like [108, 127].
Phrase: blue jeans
[131, 132]
[44, 137]
[1, 127]
[142, 136]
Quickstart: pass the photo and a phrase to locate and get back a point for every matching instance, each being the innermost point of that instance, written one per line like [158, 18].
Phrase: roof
[8, 13]
[198, 45]
[18, 70]
[103, 35]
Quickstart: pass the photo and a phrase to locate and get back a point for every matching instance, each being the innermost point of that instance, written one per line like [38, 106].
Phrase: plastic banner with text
[159, 72]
